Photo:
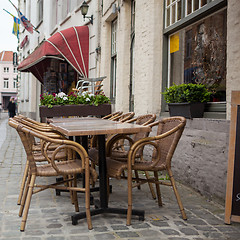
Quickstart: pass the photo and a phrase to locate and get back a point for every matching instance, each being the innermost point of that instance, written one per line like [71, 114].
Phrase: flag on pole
[16, 23]
[24, 21]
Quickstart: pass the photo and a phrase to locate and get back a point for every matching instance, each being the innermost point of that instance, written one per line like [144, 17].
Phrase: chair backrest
[123, 117]
[26, 135]
[169, 132]
[144, 120]
[112, 115]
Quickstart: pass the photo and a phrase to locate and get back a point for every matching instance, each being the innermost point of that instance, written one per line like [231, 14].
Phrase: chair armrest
[114, 139]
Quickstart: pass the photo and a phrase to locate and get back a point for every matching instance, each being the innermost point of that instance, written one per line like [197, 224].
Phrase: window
[66, 6]
[5, 83]
[173, 11]
[15, 70]
[54, 13]
[40, 10]
[15, 83]
[113, 59]
[201, 55]
[132, 57]
[6, 69]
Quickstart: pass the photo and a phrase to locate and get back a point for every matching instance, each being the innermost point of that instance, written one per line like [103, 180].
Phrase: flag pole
[20, 20]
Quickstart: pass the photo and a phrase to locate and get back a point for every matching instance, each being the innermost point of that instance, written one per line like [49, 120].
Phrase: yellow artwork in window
[174, 43]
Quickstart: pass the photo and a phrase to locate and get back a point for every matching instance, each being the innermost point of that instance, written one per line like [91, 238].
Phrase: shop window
[5, 83]
[113, 59]
[198, 55]
[60, 77]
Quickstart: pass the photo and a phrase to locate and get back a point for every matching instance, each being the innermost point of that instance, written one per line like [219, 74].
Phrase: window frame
[5, 83]
[40, 10]
[113, 60]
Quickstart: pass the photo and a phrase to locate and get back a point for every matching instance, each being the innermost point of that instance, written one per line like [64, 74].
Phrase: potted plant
[61, 104]
[187, 100]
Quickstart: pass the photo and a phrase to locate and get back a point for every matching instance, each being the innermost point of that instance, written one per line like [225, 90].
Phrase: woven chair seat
[65, 168]
[115, 168]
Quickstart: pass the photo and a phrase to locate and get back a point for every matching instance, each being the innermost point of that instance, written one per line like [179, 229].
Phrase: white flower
[88, 99]
[61, 94]
[91, 95]
[84, 93]
[65, 98]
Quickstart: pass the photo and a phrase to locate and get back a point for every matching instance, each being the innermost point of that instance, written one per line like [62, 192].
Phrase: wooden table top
[66, 119]
[96, 126]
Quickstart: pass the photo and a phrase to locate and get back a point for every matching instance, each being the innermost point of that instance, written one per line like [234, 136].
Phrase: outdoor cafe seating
[66, 158]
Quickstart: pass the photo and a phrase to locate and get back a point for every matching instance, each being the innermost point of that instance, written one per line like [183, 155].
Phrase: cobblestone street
[50, 215]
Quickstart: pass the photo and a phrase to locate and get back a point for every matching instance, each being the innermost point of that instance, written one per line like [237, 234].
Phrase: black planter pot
[187, 110]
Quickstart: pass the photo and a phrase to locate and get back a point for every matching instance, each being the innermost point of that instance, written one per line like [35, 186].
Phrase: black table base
[102, 205]
[97, 211]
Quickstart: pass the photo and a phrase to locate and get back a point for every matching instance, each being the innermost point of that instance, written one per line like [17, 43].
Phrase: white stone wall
[148, 54]
[233, 50]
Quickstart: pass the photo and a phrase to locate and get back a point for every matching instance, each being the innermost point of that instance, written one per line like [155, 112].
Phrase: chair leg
[87, 197]
[23, 200]
[129, 211]
[184, 216]
[150, 185]
[25, 174]
[75, 200]
[158, 189]
[28, 201]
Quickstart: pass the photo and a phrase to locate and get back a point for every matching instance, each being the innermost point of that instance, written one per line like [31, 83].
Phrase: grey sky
[8, 41]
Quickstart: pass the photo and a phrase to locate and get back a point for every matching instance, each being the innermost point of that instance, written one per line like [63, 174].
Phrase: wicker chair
[112, 115]
[164, 143]
[37, 147]
[68, 169]
[116, 146]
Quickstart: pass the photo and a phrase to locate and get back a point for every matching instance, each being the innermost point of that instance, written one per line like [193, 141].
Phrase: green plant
[187, 93]
[50, 100]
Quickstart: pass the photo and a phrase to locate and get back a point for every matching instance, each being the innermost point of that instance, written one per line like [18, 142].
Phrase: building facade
[49, 17]
[8, 78]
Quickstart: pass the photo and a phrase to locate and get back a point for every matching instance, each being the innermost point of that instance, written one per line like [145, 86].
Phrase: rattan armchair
[37, 147]
[68, 168]
[164, 144]
[117, 146]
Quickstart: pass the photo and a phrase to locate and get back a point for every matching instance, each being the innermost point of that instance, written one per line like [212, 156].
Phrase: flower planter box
[80, 110]
[187, 110]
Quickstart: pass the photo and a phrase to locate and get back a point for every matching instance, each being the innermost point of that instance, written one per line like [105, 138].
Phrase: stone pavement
[50, 215]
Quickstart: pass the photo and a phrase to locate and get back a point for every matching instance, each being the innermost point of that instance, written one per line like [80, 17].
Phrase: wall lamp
[84, 9]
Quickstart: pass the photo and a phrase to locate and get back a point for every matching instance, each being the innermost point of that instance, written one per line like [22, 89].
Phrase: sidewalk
[50, 215]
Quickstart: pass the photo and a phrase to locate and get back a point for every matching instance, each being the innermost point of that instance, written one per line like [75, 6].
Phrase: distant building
[8, 78]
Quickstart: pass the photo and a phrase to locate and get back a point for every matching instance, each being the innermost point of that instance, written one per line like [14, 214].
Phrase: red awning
[71, 44]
